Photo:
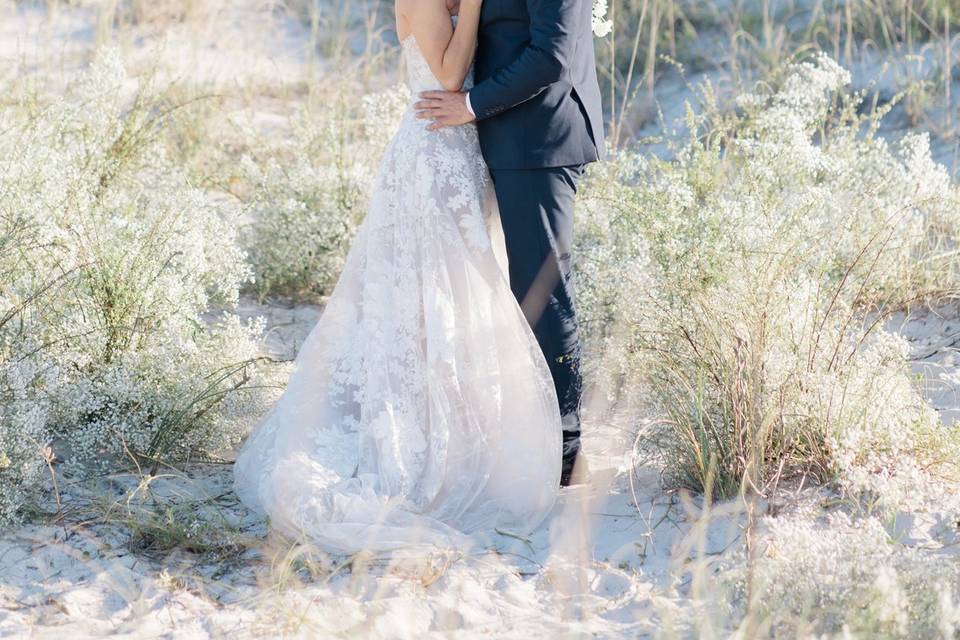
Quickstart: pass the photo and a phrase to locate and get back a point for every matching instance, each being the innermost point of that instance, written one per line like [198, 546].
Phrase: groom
[538, 112]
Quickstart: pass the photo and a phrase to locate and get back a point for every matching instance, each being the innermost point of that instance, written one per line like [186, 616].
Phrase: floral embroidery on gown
[420, 409]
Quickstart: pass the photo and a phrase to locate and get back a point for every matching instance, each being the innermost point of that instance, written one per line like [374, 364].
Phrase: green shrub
[753, 274]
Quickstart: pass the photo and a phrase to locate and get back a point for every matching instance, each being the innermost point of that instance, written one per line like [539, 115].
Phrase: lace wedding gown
[421, 408]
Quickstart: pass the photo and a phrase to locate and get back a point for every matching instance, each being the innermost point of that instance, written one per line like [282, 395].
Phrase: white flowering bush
[22, 436]
[23, 432]
[752, 274]
[26, 378]
[839, 574]
[309, 195]
[886, 444]
[130, 258]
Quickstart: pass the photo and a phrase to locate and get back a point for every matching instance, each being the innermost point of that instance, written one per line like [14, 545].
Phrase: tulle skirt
[421, 410]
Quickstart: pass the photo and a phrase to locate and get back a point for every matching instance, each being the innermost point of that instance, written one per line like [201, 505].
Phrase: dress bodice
[419, 75]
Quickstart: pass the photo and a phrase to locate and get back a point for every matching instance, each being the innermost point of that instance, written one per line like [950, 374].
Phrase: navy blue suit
[536, 96]
[540, 120]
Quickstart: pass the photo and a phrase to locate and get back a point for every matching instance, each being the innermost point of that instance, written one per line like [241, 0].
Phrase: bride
[421, 409]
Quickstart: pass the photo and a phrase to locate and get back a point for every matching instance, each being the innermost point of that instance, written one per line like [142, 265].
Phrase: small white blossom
[601, 25]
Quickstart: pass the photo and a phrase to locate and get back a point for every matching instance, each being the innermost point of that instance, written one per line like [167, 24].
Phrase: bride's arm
[448, 51]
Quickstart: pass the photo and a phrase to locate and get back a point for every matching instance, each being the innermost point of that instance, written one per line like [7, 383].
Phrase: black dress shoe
[575, 471]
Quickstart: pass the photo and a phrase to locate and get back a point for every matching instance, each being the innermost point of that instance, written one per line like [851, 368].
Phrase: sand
[614, 559]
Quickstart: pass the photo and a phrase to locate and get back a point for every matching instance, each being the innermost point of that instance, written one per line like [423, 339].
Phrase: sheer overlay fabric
[420, 410]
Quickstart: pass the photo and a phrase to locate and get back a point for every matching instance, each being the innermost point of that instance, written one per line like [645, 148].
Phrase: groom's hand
[445, 108]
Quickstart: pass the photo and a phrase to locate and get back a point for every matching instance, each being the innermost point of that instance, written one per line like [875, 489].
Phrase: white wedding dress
[421, 410]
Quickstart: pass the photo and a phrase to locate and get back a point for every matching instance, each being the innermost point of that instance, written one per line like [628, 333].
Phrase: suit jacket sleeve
[546, 59]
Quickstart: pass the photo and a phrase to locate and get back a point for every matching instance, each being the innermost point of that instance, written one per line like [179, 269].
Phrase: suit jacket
[536, 95]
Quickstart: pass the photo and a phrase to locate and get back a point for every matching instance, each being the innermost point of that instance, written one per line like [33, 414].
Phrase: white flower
[601, 25]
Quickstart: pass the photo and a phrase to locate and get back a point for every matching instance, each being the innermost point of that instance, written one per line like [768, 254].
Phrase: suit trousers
[536, 212]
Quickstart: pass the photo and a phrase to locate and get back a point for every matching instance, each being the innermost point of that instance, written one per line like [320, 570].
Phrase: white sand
[611, 561]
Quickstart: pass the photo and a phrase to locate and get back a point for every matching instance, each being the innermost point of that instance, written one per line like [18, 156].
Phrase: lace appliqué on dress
[420, 408]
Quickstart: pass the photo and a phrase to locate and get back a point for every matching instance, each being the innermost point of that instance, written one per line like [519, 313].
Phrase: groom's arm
[545, 60]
